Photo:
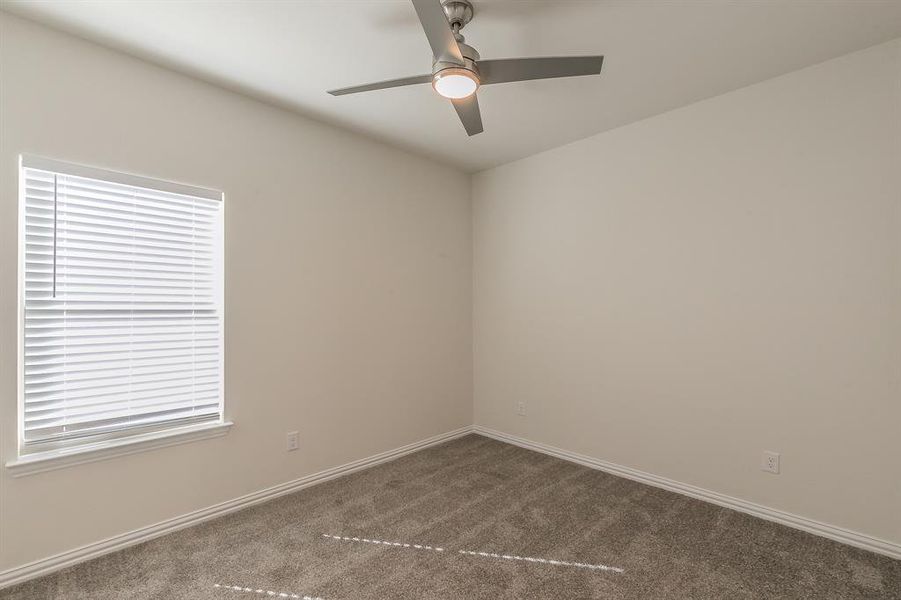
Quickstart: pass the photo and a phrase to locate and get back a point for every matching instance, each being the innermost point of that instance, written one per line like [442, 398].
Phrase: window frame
[48, 455]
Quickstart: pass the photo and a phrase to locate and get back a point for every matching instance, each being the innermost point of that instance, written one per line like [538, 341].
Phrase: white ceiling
[659, 55]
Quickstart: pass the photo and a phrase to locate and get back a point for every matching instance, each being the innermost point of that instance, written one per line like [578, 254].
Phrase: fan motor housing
[468, 64]
[470, 58]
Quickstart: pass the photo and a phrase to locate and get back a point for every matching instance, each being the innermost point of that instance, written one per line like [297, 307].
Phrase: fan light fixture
[455, 83]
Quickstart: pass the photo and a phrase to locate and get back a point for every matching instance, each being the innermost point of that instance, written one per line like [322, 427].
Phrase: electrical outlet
[770, 462]
[292, 441]
[521, 409]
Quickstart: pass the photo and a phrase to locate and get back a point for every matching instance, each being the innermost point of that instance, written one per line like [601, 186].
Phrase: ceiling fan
[458, 70]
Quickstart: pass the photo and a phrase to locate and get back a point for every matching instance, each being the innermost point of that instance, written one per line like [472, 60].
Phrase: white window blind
[123, 304]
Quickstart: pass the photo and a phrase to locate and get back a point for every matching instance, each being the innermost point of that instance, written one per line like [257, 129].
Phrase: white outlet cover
[292, 440]
[770, 462]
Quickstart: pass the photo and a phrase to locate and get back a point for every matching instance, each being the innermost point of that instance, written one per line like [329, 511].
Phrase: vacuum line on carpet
[383, 543]
[531, 559]
[261, 592]
[546, 561]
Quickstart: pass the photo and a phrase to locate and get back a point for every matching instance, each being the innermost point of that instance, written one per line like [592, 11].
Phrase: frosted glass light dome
[455, 83]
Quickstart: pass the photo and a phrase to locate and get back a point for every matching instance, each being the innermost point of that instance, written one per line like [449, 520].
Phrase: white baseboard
[839, 534]
[90, 551]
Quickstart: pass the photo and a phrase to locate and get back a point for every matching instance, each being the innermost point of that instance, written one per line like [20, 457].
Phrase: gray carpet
[607, 537]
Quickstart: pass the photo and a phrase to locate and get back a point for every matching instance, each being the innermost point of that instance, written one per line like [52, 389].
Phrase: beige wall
[682, 293]
[348, 285]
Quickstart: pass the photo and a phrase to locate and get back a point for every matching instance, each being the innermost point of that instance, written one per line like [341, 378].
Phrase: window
[122, 307]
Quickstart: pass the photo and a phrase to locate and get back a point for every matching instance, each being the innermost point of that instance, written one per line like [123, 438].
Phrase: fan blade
[523, 69]
[438, 30]
[381, 85]
[470, 116]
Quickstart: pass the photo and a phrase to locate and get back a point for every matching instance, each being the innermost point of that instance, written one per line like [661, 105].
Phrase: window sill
[50, 460]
